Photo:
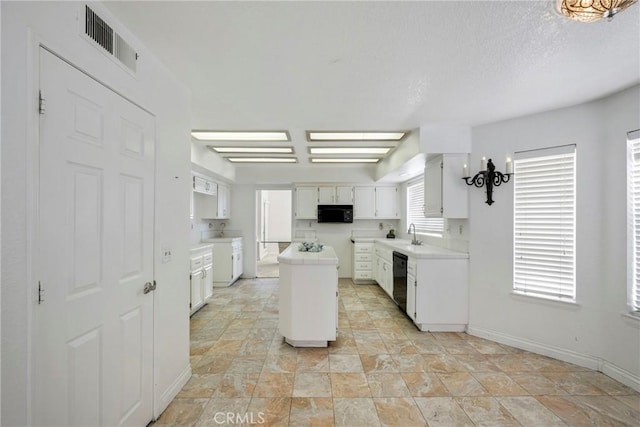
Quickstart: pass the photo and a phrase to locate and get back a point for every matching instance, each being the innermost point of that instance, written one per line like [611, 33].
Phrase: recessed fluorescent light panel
[262, 159]
[206, 135]
[254, 150]
[349, 150]
[354, 136]
[343, 160]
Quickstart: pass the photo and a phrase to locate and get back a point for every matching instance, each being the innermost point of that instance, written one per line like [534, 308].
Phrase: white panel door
[93, 332]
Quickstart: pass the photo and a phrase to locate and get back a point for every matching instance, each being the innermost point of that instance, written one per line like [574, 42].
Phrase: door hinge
[441, 165]
[40, 293]
[190, 276]
[41, 103]
[190, 306]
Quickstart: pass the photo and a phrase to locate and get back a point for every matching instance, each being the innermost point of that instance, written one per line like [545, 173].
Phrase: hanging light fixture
[592, 10]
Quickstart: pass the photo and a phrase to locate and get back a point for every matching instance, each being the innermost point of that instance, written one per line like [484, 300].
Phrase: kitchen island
[308, 296]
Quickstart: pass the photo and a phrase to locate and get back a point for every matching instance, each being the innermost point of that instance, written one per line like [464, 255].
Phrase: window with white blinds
[415, 210]
[633, 221]
[544, 223]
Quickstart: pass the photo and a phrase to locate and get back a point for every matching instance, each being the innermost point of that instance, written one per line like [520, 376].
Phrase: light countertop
[292, 255]
[221, 239]
[417, 251]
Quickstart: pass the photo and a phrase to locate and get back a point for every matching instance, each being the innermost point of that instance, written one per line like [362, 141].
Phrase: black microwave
[335, 213]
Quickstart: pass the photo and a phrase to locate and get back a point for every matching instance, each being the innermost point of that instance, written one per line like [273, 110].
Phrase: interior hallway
[380, 371]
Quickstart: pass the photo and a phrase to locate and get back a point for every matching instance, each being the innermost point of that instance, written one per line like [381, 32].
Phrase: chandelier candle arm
[488, 177]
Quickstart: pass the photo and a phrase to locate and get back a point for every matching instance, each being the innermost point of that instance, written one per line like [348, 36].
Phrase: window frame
[633, 222]
[425, 226]
[544, 223]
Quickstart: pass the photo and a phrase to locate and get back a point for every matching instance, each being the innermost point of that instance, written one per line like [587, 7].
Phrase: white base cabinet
[308, 297]
[227, 261]
[201, 277]
[362, 265]
[383, 267]
[440, 296]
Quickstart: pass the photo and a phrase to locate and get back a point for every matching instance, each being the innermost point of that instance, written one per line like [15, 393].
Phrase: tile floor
[380, 371]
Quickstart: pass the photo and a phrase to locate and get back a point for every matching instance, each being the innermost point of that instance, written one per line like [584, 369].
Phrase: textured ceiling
[381, 65]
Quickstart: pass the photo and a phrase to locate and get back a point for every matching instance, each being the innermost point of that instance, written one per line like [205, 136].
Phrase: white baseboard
[598, 364]
[621, 375]
[170, 393]
[441, 327]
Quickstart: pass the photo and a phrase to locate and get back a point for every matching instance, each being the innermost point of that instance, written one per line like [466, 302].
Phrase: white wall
[55, 25]
[593, 332]
[279, 219]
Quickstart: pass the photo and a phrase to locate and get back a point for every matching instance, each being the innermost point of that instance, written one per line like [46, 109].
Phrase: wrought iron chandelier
[488, 176]
[592, 10]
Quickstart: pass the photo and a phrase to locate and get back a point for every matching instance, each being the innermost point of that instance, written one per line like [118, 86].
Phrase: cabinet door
[224, 195]
[364, 202]
[455, 192]
[344, 195]
[326, 195]
[411, 297]
[237, 265]
[306, 202]
[433, 188]
[388, 271]
[207, 282]
[387, 202]
[196, 288]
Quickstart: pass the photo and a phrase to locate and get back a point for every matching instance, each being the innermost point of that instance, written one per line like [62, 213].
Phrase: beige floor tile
[345, 363]
[274, 385]
[409, 362]
[475, 363]
[383, 384]
[424, 384]
[400, 346]
[184, 412]
[200, 386]
[245, 364]
[398, 411]
[311, 412]
[486, 411]
[632, 401]
[571, 412]
[462, 384]
[211, 364]
[349, 385]
[372, 346]
[441, 363]
[229, 411]
[573, 384]
[529, 412]
[537, 384]
[499, 384]
[280, 363]
[442, 412]
[312, 384]
[609, 408]
[272, 411]
[379, 363]
[236, 385]
[313, 362]
[604, 383]
[355, 412]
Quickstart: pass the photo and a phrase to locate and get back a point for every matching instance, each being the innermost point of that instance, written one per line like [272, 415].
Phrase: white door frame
[34, 43]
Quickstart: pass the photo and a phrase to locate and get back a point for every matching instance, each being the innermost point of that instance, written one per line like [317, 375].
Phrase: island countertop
[292, 255]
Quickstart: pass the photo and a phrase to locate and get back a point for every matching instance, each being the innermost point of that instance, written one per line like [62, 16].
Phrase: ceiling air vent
[102, 33]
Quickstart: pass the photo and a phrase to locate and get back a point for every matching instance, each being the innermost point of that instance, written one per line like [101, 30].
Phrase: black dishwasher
[400, 280]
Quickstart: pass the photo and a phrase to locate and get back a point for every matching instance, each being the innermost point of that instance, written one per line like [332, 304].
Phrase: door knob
[148, 287]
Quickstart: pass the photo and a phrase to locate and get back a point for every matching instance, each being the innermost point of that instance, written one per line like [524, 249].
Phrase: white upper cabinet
[224, 201]
[375, 202]
[387, 202]
[364, 202]
[344, 195]
[204, 186]
[446, 195]
[306, 202]
[335, 195]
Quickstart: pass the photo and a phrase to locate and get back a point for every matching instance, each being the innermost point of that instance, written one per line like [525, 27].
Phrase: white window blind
[544, 223]
[633, 222]
[415, 210]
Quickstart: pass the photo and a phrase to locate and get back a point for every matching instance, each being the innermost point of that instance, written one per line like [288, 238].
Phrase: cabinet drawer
[363, 247]
[362, 275]
[208, 259]
[362, 257]
[196, 263]
[362, 265]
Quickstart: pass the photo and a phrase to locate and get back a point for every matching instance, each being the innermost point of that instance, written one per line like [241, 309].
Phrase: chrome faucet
[414, 241]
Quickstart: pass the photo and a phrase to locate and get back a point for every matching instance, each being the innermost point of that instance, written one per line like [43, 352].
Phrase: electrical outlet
[166, 255]
[460, 229]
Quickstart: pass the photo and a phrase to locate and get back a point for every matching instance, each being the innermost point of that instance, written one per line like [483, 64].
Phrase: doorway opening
[273, 214]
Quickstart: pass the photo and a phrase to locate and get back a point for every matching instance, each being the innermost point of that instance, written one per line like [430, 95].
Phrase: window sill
[635, 317]
[548, 301]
